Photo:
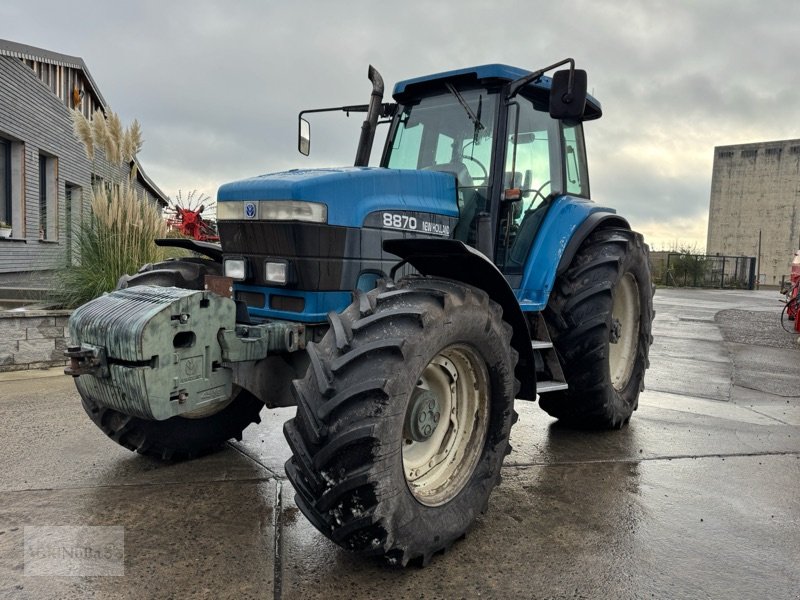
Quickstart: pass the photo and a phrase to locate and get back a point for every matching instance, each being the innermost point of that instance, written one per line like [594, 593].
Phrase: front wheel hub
[445, 424]
[422, 416]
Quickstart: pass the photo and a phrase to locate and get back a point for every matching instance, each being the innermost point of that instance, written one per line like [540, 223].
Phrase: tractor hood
[350, 193]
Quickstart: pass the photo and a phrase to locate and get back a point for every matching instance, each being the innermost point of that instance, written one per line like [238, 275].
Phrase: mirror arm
[347, 109]
[516, 85]
[386, 110]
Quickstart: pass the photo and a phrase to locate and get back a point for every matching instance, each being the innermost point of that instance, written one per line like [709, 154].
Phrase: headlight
[276, 272]
[235, 268]
[272, 210]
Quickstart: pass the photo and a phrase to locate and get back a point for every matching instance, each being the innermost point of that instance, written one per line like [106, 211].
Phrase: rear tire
[600, 317]
[403, 419]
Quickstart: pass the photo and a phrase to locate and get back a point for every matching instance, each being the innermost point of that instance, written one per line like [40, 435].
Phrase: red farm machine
[186, 217]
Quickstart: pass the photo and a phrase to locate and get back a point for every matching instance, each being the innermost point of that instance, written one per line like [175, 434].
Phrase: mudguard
[209, 249]
[568, 222]
[452, 259]
[594, 221]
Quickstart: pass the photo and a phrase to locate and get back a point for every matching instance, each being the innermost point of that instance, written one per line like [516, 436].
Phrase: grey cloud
[217, 87]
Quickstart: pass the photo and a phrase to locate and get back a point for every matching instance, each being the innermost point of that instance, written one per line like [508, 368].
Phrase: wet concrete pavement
[699, 497]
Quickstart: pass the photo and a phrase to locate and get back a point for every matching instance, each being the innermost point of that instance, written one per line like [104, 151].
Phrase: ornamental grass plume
[99, 129]
[115, 138]
[135, 131]
[83, 131]
[119, 237]
[118, 240]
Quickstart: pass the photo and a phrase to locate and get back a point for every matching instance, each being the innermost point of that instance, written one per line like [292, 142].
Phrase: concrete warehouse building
[45, 176]
[756, 188]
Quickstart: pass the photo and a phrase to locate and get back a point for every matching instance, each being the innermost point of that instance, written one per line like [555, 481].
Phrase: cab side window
[533, 167]
[577, 179]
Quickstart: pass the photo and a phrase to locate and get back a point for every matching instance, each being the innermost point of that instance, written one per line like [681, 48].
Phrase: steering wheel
[485, 174]
[538, 193]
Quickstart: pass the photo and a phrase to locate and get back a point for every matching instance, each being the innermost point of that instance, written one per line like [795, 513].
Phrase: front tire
[403, 419]
[177, 438]
[600, 317]
[183, 436]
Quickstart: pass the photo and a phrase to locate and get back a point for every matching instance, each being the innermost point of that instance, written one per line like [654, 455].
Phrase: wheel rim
[625, 314]
[445, 425]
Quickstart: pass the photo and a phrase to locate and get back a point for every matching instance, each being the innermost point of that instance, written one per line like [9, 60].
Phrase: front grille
[253, 299]
[287, 303]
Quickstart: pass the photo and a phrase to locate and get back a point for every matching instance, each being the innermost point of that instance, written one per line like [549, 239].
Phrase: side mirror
[304, 137]
[567, 102]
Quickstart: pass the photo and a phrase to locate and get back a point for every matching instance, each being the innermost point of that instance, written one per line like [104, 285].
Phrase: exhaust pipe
[370, 124]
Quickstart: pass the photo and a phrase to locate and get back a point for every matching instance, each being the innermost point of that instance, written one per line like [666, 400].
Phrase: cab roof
[494, 73]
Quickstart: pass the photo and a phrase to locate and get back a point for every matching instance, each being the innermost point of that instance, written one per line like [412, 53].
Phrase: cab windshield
[450, 132]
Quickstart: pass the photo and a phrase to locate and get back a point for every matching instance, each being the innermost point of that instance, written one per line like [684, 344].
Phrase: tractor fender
[209, 249]
[596, 220]
[452, 259]
[567, 222]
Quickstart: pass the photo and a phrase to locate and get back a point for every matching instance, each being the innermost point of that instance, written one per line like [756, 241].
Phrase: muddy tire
[600, 317]
[403, 419]
[184, 436]
[178, 438]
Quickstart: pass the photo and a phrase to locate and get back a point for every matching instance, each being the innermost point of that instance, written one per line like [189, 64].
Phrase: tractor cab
[510, 153]
[512, 142]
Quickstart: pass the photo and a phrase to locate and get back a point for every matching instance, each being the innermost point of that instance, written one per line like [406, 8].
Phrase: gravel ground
[759, 328]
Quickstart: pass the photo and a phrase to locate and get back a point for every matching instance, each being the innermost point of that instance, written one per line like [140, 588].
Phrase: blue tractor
[402, 308]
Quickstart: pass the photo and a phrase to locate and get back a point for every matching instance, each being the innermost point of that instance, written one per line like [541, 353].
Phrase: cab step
[542, 387]
[549, 375]
[541, 344]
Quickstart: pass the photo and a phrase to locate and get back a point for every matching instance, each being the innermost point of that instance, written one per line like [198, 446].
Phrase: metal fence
[699, 270]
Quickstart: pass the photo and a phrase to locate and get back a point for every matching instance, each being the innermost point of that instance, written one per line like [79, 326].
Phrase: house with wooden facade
[45, 175]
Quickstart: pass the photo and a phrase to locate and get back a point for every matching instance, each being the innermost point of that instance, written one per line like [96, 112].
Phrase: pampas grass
[83, 131]
[120, 236]
[105, 132]
[118, 241]
[115, 138]
[135, 131]
[99, 129]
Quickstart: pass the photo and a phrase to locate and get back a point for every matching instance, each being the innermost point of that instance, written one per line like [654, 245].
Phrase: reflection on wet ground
[699, 497]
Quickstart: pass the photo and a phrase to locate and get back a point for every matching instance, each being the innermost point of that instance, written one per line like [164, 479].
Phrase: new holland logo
[250, 210]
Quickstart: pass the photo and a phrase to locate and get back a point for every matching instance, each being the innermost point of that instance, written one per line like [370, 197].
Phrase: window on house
[48, 198]
[5, 181]
[11, 194]
[73, 212]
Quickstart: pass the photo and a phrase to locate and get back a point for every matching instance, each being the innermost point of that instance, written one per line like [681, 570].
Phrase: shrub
[118, 240]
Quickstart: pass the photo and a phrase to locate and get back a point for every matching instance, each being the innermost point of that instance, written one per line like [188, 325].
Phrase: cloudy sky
[217, 86]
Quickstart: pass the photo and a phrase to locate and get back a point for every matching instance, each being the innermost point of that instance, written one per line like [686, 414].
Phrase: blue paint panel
[491, 71]
[562, 220]
[317, 304]
[351, 193]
